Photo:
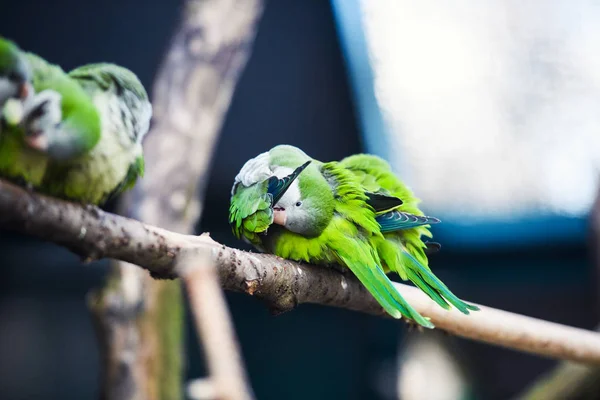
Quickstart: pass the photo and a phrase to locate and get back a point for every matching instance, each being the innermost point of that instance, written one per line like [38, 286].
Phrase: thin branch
[213, 324]
[568, 380]
[281, 283]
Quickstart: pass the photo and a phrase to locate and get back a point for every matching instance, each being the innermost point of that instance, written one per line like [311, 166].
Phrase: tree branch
[281, 283]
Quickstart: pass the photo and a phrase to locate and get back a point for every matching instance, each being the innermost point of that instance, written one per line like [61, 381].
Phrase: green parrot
[75, 135]
[354, 213]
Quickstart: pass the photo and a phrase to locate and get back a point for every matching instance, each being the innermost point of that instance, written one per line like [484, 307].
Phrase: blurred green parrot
[355, 213]
[76, 135]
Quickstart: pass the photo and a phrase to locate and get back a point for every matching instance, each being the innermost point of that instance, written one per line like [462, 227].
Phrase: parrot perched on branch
[75, 135]
[354, 213]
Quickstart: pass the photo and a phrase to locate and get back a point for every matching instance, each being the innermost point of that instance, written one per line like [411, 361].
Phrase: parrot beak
[37, 142]
[279, 216]
[24, 90]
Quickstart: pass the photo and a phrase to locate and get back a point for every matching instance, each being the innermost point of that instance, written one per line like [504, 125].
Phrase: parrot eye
[298, 204]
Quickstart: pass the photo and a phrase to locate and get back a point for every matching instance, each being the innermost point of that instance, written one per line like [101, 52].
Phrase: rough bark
[192, 93]
[283, 284]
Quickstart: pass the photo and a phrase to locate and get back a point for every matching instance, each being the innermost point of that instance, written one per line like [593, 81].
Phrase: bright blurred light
[494, 106]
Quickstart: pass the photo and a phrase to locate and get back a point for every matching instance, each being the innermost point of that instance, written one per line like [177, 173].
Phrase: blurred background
[490, 113]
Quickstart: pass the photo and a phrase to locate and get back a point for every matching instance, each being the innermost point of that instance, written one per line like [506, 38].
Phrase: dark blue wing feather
[398, 220]
[277, 187]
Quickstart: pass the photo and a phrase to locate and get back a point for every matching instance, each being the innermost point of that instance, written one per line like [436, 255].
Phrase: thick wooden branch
[281, 283]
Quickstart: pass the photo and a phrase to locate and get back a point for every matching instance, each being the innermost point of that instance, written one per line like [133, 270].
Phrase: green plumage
[250, 212]
[93, 120]
[403, 251]
[335, 214]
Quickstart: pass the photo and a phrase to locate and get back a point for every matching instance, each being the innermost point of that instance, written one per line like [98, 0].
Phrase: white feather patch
[255, 170]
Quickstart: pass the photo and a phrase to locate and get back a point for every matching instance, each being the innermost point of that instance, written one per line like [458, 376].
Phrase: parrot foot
[42, 115]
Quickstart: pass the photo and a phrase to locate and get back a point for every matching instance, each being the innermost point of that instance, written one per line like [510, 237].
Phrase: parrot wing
[398, 220]
[250, 208]
[250, 211]
[402, 249]
[352, 234]
[135, 171]
[382, 203]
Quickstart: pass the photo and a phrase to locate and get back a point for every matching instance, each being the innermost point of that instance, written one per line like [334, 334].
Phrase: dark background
[294, 90]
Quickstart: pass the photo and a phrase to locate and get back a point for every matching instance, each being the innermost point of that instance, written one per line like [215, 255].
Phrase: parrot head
[282, 187]
[303, 200]
[43, 116]
[15, 74]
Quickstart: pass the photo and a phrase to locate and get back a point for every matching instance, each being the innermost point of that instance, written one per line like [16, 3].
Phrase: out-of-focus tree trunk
[140, 319]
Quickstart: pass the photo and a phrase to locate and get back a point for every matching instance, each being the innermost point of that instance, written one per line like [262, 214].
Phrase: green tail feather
[382, 289]
[421, 284]
[425, 280]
